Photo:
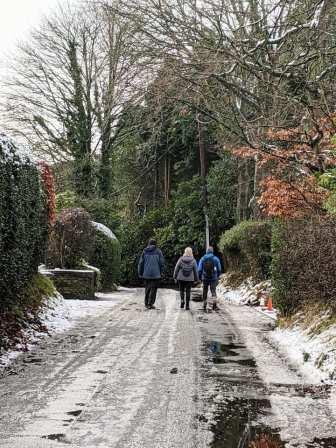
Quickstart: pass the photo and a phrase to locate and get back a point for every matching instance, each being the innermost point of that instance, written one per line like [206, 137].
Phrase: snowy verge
[313, 354]
[248, 293]
[310, 351]
[58, 316]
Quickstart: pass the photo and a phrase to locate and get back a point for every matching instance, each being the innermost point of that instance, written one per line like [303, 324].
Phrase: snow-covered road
[124, 377]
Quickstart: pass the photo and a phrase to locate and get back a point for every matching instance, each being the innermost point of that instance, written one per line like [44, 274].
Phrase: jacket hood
[187, 259]
[208, 255]
[150, 248]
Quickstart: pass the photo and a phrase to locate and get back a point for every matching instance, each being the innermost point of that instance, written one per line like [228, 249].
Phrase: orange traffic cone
[270, 304]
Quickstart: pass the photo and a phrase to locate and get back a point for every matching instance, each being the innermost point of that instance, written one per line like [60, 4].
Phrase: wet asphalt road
[164, 378]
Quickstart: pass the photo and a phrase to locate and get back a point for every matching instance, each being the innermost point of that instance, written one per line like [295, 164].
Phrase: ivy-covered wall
[23, 221]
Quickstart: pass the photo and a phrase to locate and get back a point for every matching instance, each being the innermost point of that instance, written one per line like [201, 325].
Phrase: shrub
[304, 263]
[23, 221]
[247, 248]
[71, 240]
[25, 312]
[33, 296]
[101, 210]
[106, 256]
[66, 199]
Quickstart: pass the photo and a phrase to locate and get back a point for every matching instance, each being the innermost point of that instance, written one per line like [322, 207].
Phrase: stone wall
[74, 284]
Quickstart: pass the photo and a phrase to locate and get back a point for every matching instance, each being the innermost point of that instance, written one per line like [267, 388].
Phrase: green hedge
[106, 257]
[23, 222]
[247, 249]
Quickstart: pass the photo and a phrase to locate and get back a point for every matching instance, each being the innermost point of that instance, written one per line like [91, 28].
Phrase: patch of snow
[11, 152]
[58, 316]
[92, 268]
[249, 293]
[103, 229]
[317, 16]
[314, 355]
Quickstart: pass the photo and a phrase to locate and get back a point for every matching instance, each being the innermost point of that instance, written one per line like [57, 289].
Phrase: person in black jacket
[150, 268]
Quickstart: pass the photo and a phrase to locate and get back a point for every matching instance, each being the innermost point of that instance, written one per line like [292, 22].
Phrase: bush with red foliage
[49, 188]
[71, 240]
[284, 199]
[287, 163]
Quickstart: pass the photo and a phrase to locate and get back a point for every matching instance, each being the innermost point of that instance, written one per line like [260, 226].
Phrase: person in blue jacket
[209, 270]
[150, 268]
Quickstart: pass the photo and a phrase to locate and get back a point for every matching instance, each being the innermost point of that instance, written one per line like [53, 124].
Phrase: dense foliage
[100, 210]
[72, 239]
[179, 225]
[247, 248]
[23, 222]
[304, 263]
[106, 257]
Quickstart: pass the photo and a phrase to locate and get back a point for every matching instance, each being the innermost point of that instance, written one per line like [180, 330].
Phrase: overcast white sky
[17, 17]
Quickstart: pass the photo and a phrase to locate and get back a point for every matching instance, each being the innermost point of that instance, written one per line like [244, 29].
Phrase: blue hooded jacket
[217, 267]
[151, 263]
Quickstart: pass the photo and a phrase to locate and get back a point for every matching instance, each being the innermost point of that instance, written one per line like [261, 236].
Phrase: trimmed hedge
[247, 249]
[106, 257]
[304, 263]
[23, 222]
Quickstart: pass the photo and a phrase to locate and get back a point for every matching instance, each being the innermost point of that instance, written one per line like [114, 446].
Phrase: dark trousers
[185, 289]
[151, 287]
[213, 285]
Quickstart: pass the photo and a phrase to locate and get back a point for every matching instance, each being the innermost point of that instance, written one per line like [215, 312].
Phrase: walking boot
[187, 305]
[182, 304]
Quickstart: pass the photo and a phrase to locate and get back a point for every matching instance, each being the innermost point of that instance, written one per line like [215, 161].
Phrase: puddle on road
[75, 413]
[228, 353]
[58, 437]
[31, 360]
[236, 417]
[240, 409]
[234, 425]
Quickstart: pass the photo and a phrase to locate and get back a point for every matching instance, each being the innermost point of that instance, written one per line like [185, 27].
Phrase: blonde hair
[188, 252]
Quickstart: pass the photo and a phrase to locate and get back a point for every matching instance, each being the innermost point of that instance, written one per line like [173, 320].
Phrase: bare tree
[255, 64]
[68, 85]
